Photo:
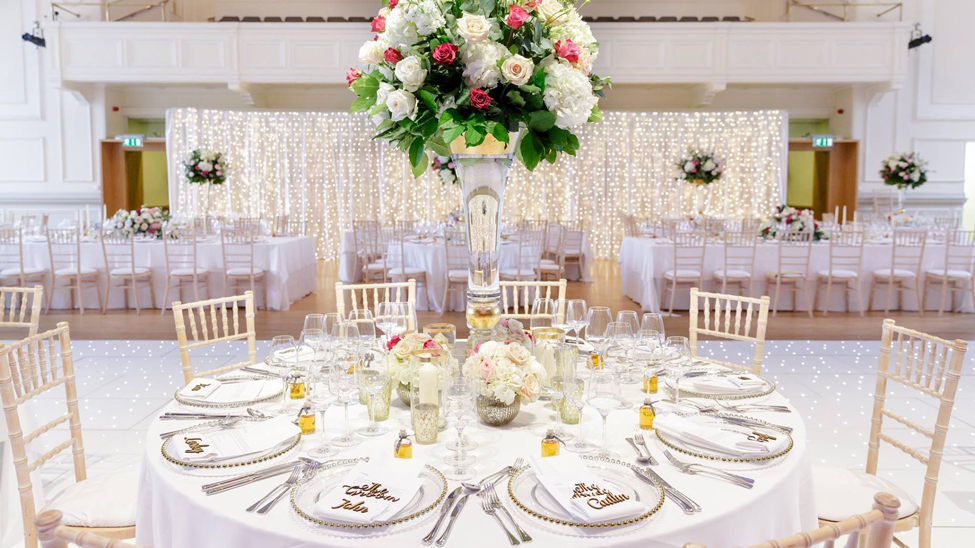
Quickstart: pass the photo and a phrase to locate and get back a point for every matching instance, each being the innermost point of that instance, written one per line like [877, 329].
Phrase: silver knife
[688, 505]
[453, 518]
[239, 481]
[443, 513]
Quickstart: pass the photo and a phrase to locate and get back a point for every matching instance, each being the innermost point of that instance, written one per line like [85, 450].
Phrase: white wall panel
[946, 157]
[22, 159]
[146, 52]
[76, 139]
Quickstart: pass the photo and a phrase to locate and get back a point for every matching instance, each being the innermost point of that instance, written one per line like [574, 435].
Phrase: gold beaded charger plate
[307, 492]
[233, 466]
[272, 390]
[757, 394]
[692, 453]
[529, 496]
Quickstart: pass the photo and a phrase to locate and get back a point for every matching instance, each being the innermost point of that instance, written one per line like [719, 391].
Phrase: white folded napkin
[230, 443]
[199, 389]
[372, 491]
[214, 391]
[716, 439]
[580, 492]
[729, 384]
[301, 353]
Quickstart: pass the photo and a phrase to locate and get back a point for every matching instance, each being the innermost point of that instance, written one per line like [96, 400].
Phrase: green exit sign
[822, 141]
[132, 141]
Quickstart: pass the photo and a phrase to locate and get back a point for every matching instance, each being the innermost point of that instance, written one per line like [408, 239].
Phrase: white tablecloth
[643, 262]
[174, 513]
[289, 263]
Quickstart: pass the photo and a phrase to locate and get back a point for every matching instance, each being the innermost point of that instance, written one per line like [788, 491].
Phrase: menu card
[581, 493]
[372, 491]
[225, 444]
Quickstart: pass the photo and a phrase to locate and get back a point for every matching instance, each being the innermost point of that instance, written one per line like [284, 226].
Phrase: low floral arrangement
[787, 218]
[510, 330]
[145, 221]
[443, 166]
[205, 167]
[504, 371]
[904, 171]
[455, 218]
[438, 70]
[901, 218]
[399, 356]
[699, 168]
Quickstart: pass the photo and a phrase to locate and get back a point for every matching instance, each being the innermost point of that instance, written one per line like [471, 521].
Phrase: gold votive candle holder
[567, 410]
[426, 423]
[380, 403]
[447, 330]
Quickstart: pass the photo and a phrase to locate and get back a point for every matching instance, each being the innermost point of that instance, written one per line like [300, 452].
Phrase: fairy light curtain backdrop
[324, 170]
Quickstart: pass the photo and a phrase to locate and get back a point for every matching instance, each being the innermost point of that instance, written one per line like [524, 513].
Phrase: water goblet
[678, 356]
[320, 397]
[574, 392]
[342, 384]
[603, 395]
[599, 319]
[372, 377]
[460, 412]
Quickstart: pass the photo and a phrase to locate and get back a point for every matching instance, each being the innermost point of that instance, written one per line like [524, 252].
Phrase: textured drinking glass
[574, 393]
[603, 395]
[460, 412]
[372, 377]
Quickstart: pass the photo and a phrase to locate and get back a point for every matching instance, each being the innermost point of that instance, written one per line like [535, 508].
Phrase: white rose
[688, 167]
[585, 61]
[399, 31]
[426, 15]
[383, 92]
[517, 70]
[709, 165]
[915, 175]
[401, 104]
[552, 11]
[568, 95]
[402, 350]
[371, 53]
[531, 388]
[481, 64]
[517, 353]
[410, 71]
[205, 166]
[474, 28]
[447, 177]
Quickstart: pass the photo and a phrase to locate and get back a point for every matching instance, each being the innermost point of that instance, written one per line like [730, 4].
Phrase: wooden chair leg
[264, 292]
[673, 291]
[890, 293]
[135, 295]
[775, 306]
[917, 297]
[944, 294]
[873, 287]
[162, 309]
[152, 292]
[108, 295]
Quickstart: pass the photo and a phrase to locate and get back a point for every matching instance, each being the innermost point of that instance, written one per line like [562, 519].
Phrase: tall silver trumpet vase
[483, 175]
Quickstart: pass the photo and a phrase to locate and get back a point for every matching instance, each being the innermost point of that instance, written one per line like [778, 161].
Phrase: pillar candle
[428, 378]
[548, 359]
[844, 214]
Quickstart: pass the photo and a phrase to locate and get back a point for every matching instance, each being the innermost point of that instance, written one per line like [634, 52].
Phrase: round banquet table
[174, 512]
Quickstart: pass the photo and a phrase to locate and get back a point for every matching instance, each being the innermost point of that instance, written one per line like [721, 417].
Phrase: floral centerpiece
[145, 221]
[205, 167]
[502, 376]
[699, 168]
[787, 218]
[443, 166]
[403, 366]
[511, 330]
[904, 171]
[484, 82]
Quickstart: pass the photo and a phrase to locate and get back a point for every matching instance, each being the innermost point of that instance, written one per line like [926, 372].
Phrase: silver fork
[693, 469]
[292, 479]
[294, 475]
[488, 508]
[643, 444]
[492, 496]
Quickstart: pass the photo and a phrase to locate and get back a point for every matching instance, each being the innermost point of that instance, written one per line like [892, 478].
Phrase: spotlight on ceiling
[918, 39]
[35, 36]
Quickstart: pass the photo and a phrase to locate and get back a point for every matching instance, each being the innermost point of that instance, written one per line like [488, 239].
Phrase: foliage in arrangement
[205, 167]
[787, 218]
[443, 166]
[145, 221]
[904, 171]
[438, 70]
[509, 330]
[399, 356]
[504, 370]
[700, 168]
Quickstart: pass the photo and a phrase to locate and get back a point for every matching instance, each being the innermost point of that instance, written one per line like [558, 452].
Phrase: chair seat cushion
[186, 272]
[549, 267]
[457, 275]
[681, 273]
[244, 272]
[27, 270]
[842, 493]
[789, 274]
[898, 273]
[547, 261]
[838, 274]
[127, 271]
[405, 271]
[68, 271]
[101, 501]
[518, 272]
[954, 274]
[732, 274]
[373, 267]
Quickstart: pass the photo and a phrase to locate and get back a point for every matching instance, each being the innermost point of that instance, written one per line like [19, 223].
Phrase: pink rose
[445, 54]
[568, 50]
[516, 16]
[432, 344]
[393, 4]
[379, 24]
[352, 75]
[392, 55]
[480, 99]
[486, 367]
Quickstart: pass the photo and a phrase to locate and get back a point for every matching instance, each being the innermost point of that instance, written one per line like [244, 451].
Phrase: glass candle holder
[427, 392]
[380, 404]
[549, 341]
[447, 330]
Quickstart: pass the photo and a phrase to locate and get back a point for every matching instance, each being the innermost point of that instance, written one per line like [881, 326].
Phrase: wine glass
[625, 334]
[599, 319]
[629, 317]
[577, 316]
[365, 322]
[574, 392]
[391, 319]
[331, 319]
[544, 312]
[621, 344]
[372, 377]
[552, 384]
[678, 356]
[460, 411]
[654, 321]
[320, 397]
[650, 344]
[314, 321]
[312, 339]
[283, 352]
[603, 395]
[342, 384]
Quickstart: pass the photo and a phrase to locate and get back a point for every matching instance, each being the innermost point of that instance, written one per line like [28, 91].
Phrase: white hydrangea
[568, 94]
[399, 31]
[425, 14]
[481, 63]
[574, 29]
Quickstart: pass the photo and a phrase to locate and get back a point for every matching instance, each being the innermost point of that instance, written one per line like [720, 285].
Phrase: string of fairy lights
[324, 169]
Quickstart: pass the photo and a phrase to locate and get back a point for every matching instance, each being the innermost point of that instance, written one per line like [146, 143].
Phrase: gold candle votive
[426, 392]
[447, 330]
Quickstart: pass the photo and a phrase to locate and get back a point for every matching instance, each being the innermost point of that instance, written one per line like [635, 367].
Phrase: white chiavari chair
[64, 251]
[726, 319]
[281, 225]
[12, 265]
[368, 297]
[739, 262]
[925, 364]
[670, 226]
[395, 261]
[688, 268]
[574, 233]
[531, 239]
[103, 504]
[368, 254]
[21, 307]
[845, 261]
[238, 264]
[455, 249]
[118, 251]
[53, 534]
[214, 322]
[958, 274]
[874, 529]
[792, 273]
[552, 267]
[714, 226]
[179, 247]
[629, 226]
[250, 225]
[904, 272]
[523, 293]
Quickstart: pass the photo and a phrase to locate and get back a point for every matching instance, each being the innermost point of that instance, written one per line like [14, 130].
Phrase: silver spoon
[257, 414]
[639, 454]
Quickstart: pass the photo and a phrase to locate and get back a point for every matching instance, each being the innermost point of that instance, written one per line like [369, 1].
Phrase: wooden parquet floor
[150, 325]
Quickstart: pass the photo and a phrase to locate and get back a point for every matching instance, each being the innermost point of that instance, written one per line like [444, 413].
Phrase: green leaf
[438, 147]
[474, 135]
[362, 103]
[427, 98]
[416, 150]
[499, 131]
[515, 98]
[366, 86]
[530, 88]
[428, 128]
[451, 135]
[530, 155]
[541, 120]
[596, 116]
[419, 168]
[449, 116]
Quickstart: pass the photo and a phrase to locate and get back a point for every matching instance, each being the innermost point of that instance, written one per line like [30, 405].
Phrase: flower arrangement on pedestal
[443, 166]
[503, 375]
[904, 171]
[699, 168]
[444, 69]
[145, 221]
[205, 167]
[787, 218]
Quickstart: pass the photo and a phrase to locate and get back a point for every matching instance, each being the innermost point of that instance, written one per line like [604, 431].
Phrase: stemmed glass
[313, 339]
[372, 377]
[603, 395]
[283, 352]
[343, 380]
[460, 411]
[654, 321]
[366, 324]
[650, 343]
[544, 312]
[392, 319]
[678, 356]
[599, 319]
[320, 397]
[621, 337]
[574, 392]
[553, 387]
[314, 321]
[331, 319]
[577, 316]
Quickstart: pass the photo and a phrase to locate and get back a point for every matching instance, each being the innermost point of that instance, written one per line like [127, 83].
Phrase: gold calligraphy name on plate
[358, 506]
[370, 490]
[195, 445]
[199, 387]
[597, 496]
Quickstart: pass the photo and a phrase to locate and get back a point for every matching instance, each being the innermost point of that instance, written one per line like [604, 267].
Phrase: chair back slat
[21, 307]
[519, 305]
[907, 250]
[845, 250]
[237, 246]
[689, 248]
[64, 248]
[209, 333]
[12, 248]
[717, 322]
[358, 295]
[960, 251]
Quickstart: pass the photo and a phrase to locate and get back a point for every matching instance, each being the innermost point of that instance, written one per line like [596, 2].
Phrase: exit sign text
[822, 141]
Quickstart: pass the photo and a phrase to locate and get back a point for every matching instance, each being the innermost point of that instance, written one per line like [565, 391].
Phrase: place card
[214, 391]
[224, 444]
[581, 493]
[372, 491]
[726, 441]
